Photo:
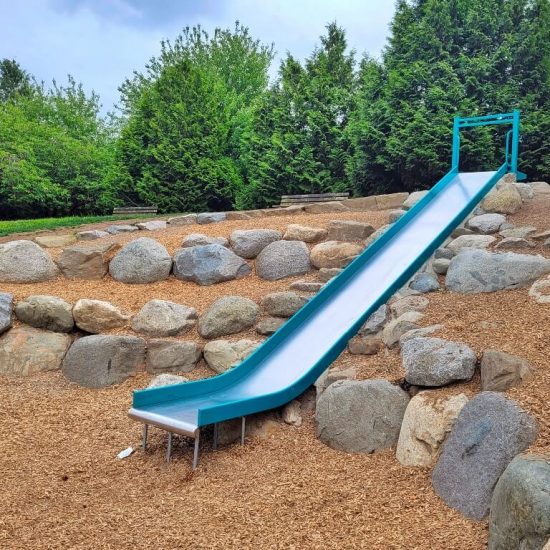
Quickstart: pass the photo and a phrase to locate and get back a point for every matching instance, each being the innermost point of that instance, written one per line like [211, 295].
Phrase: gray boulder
[92, 235]
[269, 325]
[25, 262]
[348, 230]
[378, 233]
[483, 271]
[425, 282]
[470, 241]
[520, 507]
[152, 225]
[166, 380]
[87, 262]
[413, 198]
[514, 243]
[172, 356]
[46, 312]
[489, 432]
[376, 321]
[199, 239]
[186, 219]
[228, 315]
[248, 243]
[159, 318]
[6, 307]
[394, 215]
[360, 416]
[444, 254]
[124, 228]
[283, 304]
[209, 264]
[500, 371]
[441, 266]
[141, 261]
[486, 223]
[221, 355]
[26, 350]
[282, 259]
[210, 217]
[518, 232]
[436, 362]
[306, 286]
[99, 361]
[396, 328]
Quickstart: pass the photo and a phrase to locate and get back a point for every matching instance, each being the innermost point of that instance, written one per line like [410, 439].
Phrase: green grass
[22, 226]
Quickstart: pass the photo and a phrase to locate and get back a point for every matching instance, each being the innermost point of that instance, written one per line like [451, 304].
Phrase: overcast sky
[100, 42]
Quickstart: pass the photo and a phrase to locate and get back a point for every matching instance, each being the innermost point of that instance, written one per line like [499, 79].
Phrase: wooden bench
[135, 210]
[289, 200]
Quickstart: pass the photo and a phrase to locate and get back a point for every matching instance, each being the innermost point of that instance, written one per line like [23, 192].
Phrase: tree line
[203, 128]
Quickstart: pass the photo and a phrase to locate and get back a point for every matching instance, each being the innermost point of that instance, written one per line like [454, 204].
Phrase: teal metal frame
[512, 138]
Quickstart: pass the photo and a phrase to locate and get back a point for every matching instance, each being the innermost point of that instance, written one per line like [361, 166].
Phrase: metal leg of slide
[145, 431]
[169, 448]
[215, 442]
[243, 428]
[196, 451]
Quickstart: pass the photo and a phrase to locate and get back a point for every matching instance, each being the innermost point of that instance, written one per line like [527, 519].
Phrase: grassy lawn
[8, 227]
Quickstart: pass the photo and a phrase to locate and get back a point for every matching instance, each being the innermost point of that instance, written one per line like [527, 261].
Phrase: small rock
[419, 333]
[6, 306]
[159, 318]
[325, 274]
[408, 303]
[360, 416]
[334, 254]
[364, 345]
[46, 312]
[540, 187]
[331, 375]
[395, 329]
[441, 266]
[425, 282]
[270, 325]
[345, 230]
[172, 356]
[282, 259]
[187, 219]
[25, 262]
[470, 241]
[444, 254]
[394, 215]
[116, 229]
[304, 233]
[540, 291]
[518, 232]
[91, 235]
[375, 323]
[101, 360]
[221, 355]
[500, 371]
[26, 350]
[306, 286]
[87, 262]
[428, 420]
[199, 239]
[505, 200]
[542, 236]
[525, 190]
[283, 304]
[96, 316]
[250, 242]
[413, 198]
[166, 380]
[153, 225]
[436, 362]
[461, 231]
[228, 315]
[211, 217]
[520, 506]
[208, 265]
[292, 413]
[513, 243]
[489, 432]
[141, 261]
[55, 241]
[486, 223]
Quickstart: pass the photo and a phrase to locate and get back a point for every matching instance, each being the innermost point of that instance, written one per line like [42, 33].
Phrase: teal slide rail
[290, 361]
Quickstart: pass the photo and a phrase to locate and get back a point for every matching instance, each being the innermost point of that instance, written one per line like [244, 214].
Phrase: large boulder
[159, 318]
[489, 432]
[228, 315]
[209, 264]
[514, 243]
[248, 243]
[506, 200]
[436, 362]
[408, 303]
[26, 350]
[95, 316]
[378, 233]
[413, 198]
[282, 259]
[269, 325]
[25, 262]
[304, 233]
[427, 422]
[483, 271]
[520, 507]
[87, 262]
[360, 416]
[92, 235]
[486, 223]
[500, 371]
[152, 225]
[221, 355]
[211, 217]
[334, 254]
[521, 232]
[470, 241]
[6, 307]
[199, 239]
[397, 327]
[394, 215]
[347, 230]
[424, 282]
[141, 261]
[102, 360]
[172, 356]
[186, 219]
[283, 304]
[123, 228]
[46, 312]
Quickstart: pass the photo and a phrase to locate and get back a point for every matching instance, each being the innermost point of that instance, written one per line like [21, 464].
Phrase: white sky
[100, 42]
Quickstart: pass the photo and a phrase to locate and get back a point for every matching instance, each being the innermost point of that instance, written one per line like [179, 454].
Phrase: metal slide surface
[292, 359]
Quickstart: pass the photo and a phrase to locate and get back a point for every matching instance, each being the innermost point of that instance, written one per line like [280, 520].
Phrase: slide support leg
[145, 431]
[243, 428]
[196, 451]
[169, 447]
